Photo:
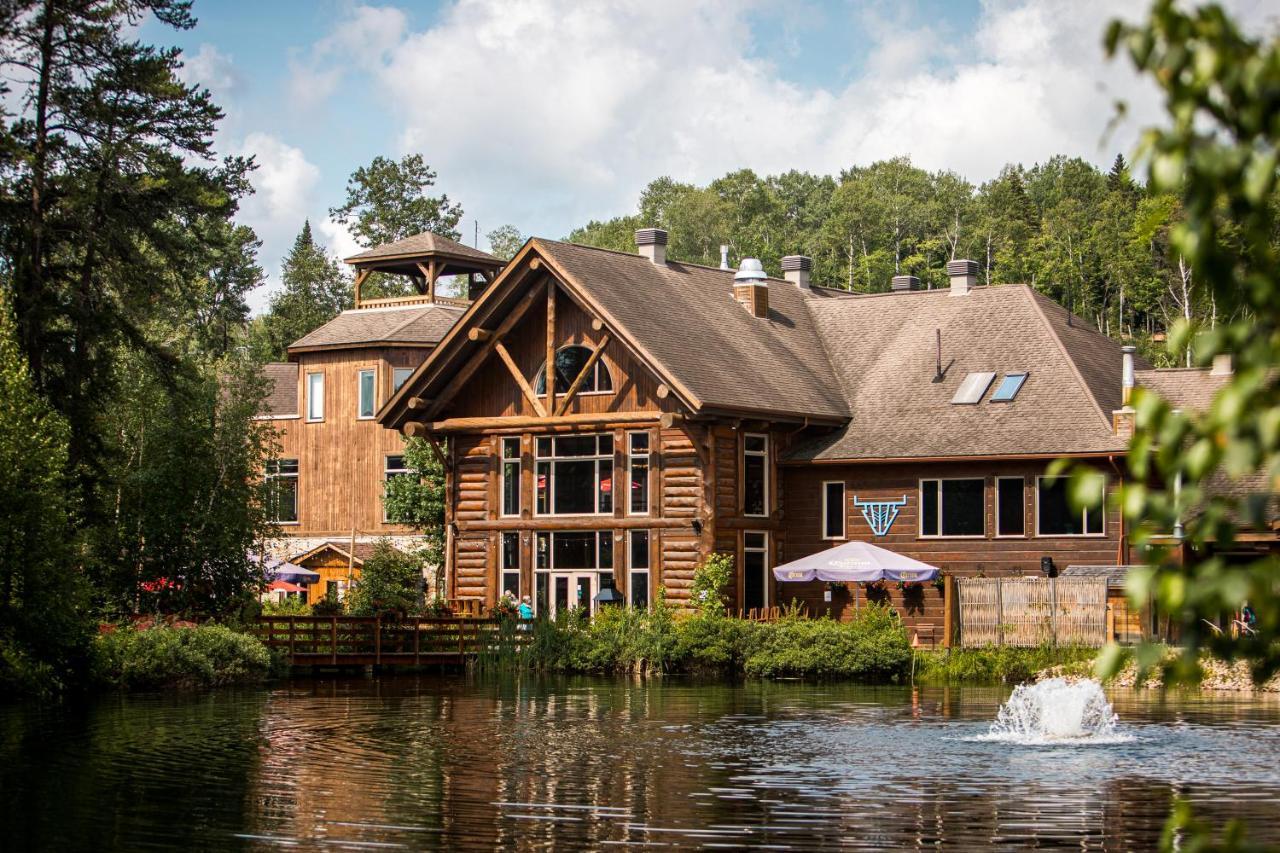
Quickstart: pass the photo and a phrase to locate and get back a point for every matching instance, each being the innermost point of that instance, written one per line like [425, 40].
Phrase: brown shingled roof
[425, 244]
[883, 348]
[684, 318]
[417, 324]
[1189, 388]
[282, 389]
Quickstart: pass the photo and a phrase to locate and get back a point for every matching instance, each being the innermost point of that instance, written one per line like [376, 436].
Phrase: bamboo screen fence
[1032, 611]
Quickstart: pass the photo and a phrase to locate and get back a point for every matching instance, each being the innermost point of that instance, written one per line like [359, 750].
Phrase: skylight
[1009, 387]
[972, 388]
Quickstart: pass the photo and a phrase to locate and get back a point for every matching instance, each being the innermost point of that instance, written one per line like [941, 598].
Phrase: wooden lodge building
[609, 419]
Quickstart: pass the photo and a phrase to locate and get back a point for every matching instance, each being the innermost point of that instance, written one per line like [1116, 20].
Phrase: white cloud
[362, 41]
[284, 196]
[339, 240]
[212, 69]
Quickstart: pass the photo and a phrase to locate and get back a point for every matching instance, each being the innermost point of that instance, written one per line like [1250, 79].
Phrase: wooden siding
[342, 459]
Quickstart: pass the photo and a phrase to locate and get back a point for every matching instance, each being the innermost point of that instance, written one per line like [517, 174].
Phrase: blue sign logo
[880, 514]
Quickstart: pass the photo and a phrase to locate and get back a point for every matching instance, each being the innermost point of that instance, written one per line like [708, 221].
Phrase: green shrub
[163, 656]
[710, 580]
[712, 641]
[390, 582]
[328, 606]
[288, 607]
[872, 647]
[999, 664]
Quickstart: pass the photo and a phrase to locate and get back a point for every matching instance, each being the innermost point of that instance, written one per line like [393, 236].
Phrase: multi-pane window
[394, 466]
[282, 490]
[755, 474]
[511, 476]
[399, 376]
[367, 383]
[638, 472]
[952, 507]
[1010, 517]
[569, 363]
[574, 475]
[638, 565]
[1055, 515]
[576, 550]
[315, 396]
[511, 563]
[755, 570]
[833, 509]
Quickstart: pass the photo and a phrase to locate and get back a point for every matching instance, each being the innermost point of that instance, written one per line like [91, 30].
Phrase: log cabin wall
[342, 458]
[988, 555]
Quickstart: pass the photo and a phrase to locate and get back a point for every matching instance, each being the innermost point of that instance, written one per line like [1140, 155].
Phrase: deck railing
[372, 640]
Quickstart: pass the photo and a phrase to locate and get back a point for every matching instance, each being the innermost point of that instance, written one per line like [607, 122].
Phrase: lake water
[433, 762]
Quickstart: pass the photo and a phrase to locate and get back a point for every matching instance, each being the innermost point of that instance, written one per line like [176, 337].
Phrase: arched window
[569, 363]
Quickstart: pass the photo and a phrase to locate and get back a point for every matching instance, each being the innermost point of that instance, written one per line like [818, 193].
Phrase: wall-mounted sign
[880, 514]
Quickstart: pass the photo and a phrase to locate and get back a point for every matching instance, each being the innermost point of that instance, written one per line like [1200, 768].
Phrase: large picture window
[1010, 517]
[575, 475]
[638, 564]
[315, 396]
[569, 363]
[511, 476]
[833, 509]
[755, 474]
[638, 473]
[952, 508]
[1055, 515]
[282, 491]
[367, 382]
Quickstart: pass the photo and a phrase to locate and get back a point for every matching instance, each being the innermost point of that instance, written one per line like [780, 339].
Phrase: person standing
[525, 609]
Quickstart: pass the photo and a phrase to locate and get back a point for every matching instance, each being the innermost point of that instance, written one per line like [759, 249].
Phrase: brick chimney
[964, 276]
[903, 283]
[1222, 365]
[652, 244]
[1123, 419]
[796, 269]
[751, 287]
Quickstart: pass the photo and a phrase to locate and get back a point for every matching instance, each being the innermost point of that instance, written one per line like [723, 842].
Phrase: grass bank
[1001, 664]
[168, 656]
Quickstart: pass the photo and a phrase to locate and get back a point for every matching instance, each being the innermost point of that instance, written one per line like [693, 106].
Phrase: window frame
[646, 569]
[765, 552]
[647, 456]
[309, 395]
[372, 372]
[551, 568]
[941, 523]
[844, 515]
[269, 476]
[595, 458]
[1022, 375]
[541, 375]
[407, 371]
[1084, 517]
[504, 572]
[765, 455]
[1022, 502]
[504, 460]
[387, 473]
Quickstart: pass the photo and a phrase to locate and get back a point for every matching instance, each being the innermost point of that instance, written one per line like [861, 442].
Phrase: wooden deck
[371, 641]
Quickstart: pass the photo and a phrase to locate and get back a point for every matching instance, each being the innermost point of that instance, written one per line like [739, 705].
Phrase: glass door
[572, 589]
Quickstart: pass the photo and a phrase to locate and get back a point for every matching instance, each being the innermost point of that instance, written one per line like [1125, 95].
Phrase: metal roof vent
[750, 270]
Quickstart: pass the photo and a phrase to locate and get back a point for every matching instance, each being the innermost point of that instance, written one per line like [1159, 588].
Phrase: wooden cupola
[423, 259]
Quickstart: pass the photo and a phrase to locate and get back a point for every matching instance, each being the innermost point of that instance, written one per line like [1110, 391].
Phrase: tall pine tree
[315, 290]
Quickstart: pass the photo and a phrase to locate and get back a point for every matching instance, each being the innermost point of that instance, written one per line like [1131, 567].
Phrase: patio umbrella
[855, 562]
[284, 570]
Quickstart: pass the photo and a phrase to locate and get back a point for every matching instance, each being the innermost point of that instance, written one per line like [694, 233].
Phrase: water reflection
[431, 762]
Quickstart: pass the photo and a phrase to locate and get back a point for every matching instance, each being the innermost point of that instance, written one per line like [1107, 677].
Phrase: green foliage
[390, 583]
[417, 498]
[710, 581]
[871, 647]
[314, 291]
[505, 241]
[43, 626]
[204, 656]
[1218, 154]
[329, 606]
[289, 607]
[999, 664]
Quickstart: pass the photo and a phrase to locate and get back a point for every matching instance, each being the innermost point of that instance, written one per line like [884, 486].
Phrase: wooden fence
[370, 641]
[1032, 611]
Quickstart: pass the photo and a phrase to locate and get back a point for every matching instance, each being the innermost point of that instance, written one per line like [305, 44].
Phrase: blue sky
[546, 113]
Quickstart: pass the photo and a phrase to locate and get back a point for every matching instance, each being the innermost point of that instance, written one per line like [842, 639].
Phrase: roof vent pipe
[796, 269]
[1222, 365]
[751, 287]
[652, 244]
[964, 276]
[724, 257]
[903, 283]
[1127, 378]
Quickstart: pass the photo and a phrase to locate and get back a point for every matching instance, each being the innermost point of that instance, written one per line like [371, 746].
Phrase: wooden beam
[664, 391]
[361, 275]
[519, 377]
[551, 343]
[522, 422]
[414, 429]
[479, 334]
[582, 376]
[535, 263]
[597, 324]
[417, 402]
[438, 452]
[670, 419]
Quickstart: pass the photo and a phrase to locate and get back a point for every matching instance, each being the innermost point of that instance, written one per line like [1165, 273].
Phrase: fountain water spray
[1056, 711]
